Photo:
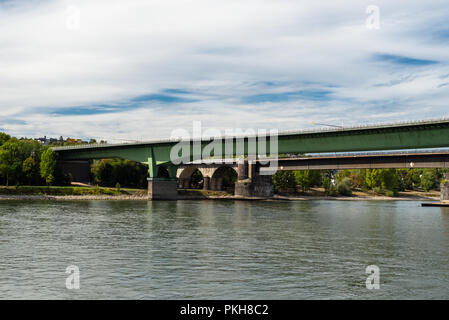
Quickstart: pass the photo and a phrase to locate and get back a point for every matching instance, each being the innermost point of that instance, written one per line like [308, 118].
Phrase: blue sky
[140, 69]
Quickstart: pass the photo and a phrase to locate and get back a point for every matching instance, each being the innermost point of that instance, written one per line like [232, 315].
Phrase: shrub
[344, 187]
[329, 188]
[391, 193]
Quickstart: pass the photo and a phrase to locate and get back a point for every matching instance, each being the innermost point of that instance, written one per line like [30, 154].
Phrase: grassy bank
[202, 194]
[68, 191]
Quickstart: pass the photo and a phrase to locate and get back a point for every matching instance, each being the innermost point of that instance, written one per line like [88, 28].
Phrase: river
[223, 249]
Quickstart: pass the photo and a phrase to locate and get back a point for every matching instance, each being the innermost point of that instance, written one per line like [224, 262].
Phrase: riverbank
[100, 193]
[70, 193]
[319, 194]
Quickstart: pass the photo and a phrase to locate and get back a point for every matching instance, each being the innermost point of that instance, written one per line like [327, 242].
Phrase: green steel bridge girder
[431, 134]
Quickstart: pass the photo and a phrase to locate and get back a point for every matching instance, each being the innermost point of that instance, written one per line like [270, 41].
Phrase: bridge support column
[184, 183]
[216, 184]
[444, 188]
[206, 183]
[162, 189]
[251, 184]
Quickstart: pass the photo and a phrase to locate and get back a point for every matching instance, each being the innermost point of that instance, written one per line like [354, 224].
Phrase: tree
[410, 178]
[3, 138]
[373, 178]
[429, 179]
[11, 160]
[358, 178]
[390, 179]
[50, 179]
[108, 172]
[30, 168]
[101, 173]
[308, 178]
[329, 188]
[284, 180]
[48, 165]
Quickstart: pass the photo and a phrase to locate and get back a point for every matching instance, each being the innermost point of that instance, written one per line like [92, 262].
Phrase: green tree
[3, 138]
[101, 172]
[410, 178]
[390, 179]
[50, 179]
[108, 172]
[30, 168]
[329, 188]
[308, 178]
[11, 160]
[373, 178]
[429, 179]
[284, 180]
[48, 165]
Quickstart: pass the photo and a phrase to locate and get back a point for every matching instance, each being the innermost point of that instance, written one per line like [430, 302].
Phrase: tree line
[28, 162]
[343, 182]
[119, 172]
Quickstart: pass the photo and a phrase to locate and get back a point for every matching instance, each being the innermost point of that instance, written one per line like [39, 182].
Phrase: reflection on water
[223, 249]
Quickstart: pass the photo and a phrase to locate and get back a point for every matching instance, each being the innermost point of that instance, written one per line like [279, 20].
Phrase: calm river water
[223, 249]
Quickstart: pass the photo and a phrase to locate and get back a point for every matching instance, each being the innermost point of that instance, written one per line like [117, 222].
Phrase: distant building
[46, 141]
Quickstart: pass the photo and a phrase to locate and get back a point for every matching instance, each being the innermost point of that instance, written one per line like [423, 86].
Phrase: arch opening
[224, 179]
[191, 178]
[162, 172]
[196, 180]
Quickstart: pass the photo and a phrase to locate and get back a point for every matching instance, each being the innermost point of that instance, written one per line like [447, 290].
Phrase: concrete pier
[159, 189]
[250, 183]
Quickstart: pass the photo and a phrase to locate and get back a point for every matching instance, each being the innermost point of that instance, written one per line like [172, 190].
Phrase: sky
[140, 69]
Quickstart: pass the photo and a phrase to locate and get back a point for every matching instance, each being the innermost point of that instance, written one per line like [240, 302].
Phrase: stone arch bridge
[249, 180]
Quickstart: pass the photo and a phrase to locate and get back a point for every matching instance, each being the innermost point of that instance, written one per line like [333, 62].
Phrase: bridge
[164, 173]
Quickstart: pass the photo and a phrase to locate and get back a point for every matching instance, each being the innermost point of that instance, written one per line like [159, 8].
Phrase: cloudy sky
[138, 69]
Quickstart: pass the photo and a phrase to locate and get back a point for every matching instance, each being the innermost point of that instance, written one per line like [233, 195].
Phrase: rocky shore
[73, 197]
[141, 196]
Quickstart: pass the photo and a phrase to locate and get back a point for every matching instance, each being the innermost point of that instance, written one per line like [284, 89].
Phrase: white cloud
[221, 51]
